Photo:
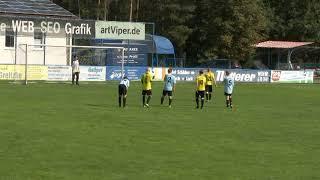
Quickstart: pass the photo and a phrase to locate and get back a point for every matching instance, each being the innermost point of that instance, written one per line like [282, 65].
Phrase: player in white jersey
[169, 87]
[228, 88]
[123, 90]
[75, 70]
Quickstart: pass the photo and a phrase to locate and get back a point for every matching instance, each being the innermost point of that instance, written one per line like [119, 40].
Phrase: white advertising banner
[244, 75]
[87, 73]
[92, 73]
[59, 73]
[292, 76]
[120, 30]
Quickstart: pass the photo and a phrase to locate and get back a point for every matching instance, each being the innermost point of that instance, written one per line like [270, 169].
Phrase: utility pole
[98, 10]
[130, 17]
[79, 9]
[137, 15]
[106, 9]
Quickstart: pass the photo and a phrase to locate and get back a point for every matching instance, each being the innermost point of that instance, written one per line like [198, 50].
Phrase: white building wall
[7, 55]
[57, 55]
[36, 55]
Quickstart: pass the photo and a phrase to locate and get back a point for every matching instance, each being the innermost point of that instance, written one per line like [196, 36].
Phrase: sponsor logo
[49, 27]
[10, 75]
[119, 31]
[276, 75]
[95, 69]
[115, 75]
[238, 76]
[183, 72]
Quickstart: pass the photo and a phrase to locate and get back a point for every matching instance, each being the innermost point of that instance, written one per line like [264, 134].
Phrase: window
[10, 38]
[38, 39]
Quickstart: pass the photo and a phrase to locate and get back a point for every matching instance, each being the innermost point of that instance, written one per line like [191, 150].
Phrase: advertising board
[120, 30]
[92, 73]
[242, 75]
[134, 55]
[292, 76]
[59, 73]
[133, 73]
[17, 72]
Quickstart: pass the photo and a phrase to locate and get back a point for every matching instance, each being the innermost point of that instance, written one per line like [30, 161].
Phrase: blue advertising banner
[190, 74]
[133, 73]
[185, 74]
[240, 75]
[134, 55]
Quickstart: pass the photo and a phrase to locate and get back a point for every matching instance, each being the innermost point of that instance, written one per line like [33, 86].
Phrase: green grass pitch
[59, 131]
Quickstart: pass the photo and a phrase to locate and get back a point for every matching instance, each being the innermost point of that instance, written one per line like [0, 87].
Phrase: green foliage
[170, 18]
[296, 20]
[226, 29]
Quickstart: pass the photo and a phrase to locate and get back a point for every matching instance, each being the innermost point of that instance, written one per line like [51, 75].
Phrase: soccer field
[59, 131]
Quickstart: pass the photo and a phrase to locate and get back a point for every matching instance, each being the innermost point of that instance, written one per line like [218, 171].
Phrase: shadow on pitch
[100, 105]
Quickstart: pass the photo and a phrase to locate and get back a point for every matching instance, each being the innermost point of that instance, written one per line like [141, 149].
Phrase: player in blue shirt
[228, 88]
[169, 87]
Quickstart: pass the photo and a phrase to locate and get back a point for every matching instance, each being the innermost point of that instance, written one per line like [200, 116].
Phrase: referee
[123, 89]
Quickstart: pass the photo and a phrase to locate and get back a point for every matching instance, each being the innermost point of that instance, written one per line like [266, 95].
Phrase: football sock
[227, 103]
[209, 96]
[197, 101]
[119, 101]
[124, 101]
[202, 102]
[148, 100]
[230, 101]
[170, 101]
[77, 79]
[144, 100]
[162, 99]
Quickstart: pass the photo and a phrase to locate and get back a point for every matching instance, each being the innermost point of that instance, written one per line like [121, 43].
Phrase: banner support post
[26, 66]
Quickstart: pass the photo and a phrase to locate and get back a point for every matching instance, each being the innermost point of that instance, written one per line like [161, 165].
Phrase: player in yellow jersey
[209, 83]
[146, 80]
[201, 87]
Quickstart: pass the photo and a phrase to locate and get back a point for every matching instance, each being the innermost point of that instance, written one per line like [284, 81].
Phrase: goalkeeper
[75, 70]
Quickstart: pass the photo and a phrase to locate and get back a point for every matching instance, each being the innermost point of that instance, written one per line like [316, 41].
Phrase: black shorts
[209, 88]
[200, 93]
[122, 89]
[147, 92]
[164, 93]
[226, 94]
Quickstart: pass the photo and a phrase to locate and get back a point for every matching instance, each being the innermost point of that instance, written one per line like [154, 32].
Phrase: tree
[102, 9]
[226, 29]
[295, 20]
[171, 19]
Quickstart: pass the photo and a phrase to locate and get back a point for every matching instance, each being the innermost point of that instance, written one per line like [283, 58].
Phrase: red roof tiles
[281, 44]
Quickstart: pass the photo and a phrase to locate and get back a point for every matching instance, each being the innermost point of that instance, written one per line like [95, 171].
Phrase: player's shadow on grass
[110, 106]
[100, 105]
[164, 106]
